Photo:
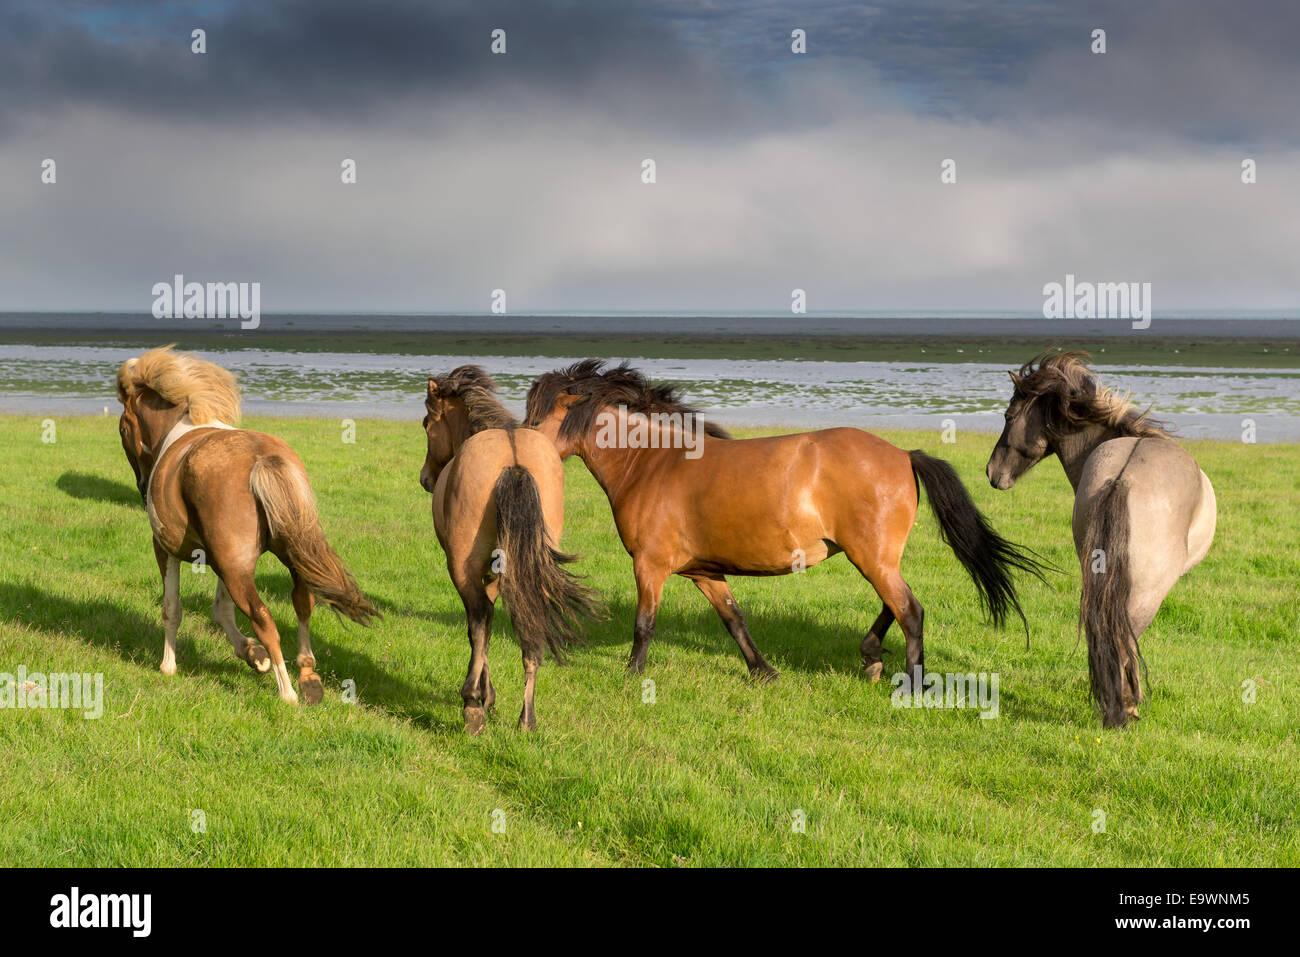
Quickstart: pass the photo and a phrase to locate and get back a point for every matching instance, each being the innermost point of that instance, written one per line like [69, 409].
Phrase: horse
[690, 500]
[1144, 512]
[498, 510]
[229, 495]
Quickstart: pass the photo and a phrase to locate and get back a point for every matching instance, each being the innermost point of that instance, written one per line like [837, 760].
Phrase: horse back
[746, 505]
[203, 481]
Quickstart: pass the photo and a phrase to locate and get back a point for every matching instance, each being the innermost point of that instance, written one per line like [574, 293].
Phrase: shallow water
[1199, 402]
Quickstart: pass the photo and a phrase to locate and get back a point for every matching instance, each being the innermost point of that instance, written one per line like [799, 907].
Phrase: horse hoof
[875, 670]
[764, 674]
[311, 689]
[527, 724]
[258, 659]
[475, 720]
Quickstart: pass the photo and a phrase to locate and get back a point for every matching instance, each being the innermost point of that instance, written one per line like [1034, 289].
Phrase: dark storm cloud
[1208, 69]
[1199, 68]
[524, 171]
[322, 58]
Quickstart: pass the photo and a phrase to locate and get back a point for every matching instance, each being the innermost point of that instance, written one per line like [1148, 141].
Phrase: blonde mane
[182, 378]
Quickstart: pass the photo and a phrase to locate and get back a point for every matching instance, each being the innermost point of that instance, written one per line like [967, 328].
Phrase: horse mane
[621, 385]
[182, 378]
[1075, 398]
[473, 386]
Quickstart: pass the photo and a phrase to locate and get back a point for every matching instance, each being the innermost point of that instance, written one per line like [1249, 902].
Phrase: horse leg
[718, 592]
[1140, 615]
[872, 647]
[478, 614]
[309, 682]
[246, 649]
[170, 567]
[528, 717]
[244, 593]
[492, 589]
[901, 606]
[649, 590]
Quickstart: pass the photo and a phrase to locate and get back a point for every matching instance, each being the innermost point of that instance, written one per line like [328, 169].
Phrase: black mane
[621, 385]
[473, 386]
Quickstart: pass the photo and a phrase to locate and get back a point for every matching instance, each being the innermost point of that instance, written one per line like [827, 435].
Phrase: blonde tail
[286, 498]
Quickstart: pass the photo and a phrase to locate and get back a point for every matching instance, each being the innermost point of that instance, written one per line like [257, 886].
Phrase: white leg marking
[171, 613]
[223, 610]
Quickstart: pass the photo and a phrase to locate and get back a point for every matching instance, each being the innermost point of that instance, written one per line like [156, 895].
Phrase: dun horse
[231, 495]
[498, 509]
[764, 506]
[1144, 512]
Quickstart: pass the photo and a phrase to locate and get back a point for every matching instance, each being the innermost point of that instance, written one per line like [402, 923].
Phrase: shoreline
[1224, 343]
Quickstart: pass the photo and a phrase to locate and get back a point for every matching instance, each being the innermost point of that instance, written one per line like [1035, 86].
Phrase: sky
[774, 171]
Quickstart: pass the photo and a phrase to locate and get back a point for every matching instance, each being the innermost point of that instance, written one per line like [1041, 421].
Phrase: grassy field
[713, 772]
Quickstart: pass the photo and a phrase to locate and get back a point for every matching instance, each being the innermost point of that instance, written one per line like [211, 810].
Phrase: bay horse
[498, 510]
[1144, 512]
[762, 506]
[228, 494]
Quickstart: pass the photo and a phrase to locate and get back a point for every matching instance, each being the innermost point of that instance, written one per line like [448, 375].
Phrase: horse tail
[544, 599]
[988, 558]
[1103, 611]
[280, 486]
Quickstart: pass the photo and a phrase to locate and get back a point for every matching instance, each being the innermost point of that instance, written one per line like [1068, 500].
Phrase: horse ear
[433, 402]
[567, 400]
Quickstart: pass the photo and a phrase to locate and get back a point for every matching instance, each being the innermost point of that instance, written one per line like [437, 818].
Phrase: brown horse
[1144, 512]
[227, 495]
[498, 510]
[689, 500]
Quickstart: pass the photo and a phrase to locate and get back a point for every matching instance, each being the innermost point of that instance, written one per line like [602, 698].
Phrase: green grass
[711, 773]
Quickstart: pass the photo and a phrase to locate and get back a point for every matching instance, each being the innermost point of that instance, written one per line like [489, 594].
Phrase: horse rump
[544, 599]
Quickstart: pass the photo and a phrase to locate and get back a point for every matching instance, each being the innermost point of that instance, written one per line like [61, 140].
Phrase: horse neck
[616, 470]
[1074, 448]
[458, 429]
[156, 424]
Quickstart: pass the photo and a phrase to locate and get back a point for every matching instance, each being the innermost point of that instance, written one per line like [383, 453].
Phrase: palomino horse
[689, 500]
[1144, 512]
[498, 509]
[228, 494]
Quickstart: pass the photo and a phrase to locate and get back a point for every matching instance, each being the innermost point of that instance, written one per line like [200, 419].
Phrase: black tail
[545, 601]
[1103, 612]
[987, 557]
